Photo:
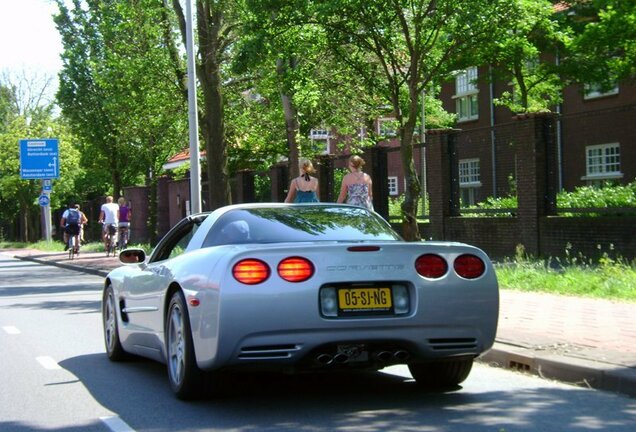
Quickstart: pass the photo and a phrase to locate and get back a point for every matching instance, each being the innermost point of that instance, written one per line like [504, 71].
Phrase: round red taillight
[250, 271]
[469, 266]
[295, 269]
[431, 266]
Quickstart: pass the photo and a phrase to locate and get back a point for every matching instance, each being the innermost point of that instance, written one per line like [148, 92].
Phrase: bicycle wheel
[71, 247]
[122, 239]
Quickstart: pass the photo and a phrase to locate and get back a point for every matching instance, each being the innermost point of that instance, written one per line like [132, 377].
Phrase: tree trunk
[291, 123]
[208, 24]
[410, 230]
[151, 223]
[24, 232]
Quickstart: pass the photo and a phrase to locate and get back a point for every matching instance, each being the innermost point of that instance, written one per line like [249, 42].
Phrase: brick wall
[589, 236]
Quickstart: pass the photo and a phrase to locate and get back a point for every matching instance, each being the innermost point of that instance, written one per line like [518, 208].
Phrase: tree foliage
[28, 114]
[603, 47]
[399, 48]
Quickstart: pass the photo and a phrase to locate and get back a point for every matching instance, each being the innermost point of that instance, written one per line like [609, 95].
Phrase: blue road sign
[39, 158]
[44, 200]
[47, 185]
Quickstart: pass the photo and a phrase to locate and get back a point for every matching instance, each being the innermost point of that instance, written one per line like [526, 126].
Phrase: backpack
[73, 217]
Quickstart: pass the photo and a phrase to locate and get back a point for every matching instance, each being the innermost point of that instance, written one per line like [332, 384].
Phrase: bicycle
[111, 240]
[122, 238]
[73, 242]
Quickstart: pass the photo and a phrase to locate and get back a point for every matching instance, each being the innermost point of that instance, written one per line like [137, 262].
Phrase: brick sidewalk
[572, 339]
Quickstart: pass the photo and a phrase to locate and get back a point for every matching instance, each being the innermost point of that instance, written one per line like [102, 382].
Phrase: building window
[593, 91]
[603, 162]
[387, 127]
[466, 95]
[469, 181]
[393, 185]
[320, 140]
[319, 134]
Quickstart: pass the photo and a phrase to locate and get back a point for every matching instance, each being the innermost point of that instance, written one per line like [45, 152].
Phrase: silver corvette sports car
[297, 287]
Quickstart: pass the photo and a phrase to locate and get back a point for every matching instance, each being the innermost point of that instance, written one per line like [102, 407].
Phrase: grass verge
[607, 280]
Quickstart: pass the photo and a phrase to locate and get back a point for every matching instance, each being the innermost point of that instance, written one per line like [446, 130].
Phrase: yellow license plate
[364, 299]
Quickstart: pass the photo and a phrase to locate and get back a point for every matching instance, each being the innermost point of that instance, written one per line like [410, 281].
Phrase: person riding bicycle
[71, 221]
[109, 216]
[124, 223]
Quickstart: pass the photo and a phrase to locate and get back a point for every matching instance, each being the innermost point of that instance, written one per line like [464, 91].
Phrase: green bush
[609, 196]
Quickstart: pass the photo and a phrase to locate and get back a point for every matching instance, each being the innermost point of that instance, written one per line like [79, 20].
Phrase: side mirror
[132, 256]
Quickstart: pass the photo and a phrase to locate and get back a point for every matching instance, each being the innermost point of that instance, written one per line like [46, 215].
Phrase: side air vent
[453, 344]
[268, 352]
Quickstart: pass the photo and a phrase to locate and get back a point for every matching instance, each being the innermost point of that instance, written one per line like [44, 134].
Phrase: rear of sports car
[328, 305]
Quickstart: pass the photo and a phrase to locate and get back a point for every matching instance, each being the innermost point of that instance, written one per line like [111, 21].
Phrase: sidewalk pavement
[582, 341]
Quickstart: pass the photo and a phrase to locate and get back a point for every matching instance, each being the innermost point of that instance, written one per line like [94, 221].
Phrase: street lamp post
[195, 164]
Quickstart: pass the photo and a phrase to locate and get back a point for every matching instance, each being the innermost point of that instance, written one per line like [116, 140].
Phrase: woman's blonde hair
[307, 167]
[121, 201]
[356, 161]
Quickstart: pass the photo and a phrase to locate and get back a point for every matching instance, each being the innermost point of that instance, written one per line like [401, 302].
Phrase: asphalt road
[55, 376]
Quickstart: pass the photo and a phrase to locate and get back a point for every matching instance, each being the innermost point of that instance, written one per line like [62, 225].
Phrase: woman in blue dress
[304, 188]
[357, 186]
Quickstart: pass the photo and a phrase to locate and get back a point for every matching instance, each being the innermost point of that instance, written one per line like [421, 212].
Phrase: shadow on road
[138, 392]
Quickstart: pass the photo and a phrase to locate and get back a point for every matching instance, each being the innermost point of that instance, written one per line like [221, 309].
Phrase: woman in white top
[357, 185]
[304, 188]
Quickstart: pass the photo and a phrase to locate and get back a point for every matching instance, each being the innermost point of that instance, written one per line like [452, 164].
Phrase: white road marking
[48, 363]
[116, 424]
[11, 330]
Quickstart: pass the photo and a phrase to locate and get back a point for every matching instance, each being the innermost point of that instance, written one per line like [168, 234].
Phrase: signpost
[39, 159]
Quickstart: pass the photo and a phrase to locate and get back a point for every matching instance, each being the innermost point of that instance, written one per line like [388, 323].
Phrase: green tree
[28, 115]
[120, 88]
[526, 55]
[409, 45]
[305, 86]
[216, 28]
[81, 95]
[603, 47]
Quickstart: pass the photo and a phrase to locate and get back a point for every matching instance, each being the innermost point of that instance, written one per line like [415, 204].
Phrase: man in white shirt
[109, 216]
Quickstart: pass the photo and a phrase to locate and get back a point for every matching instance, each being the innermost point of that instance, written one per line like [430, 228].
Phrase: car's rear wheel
[443, 373]
[186, 379]
[114, 350]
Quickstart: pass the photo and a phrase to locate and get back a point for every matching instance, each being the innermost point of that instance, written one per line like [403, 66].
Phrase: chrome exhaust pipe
[401, 355]
[341, 358]
[383, 356]
[324, 359]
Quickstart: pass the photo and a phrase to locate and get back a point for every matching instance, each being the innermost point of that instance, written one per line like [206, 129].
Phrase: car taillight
[295, 269]
[251, 271]
[469, 266]
[431, 266]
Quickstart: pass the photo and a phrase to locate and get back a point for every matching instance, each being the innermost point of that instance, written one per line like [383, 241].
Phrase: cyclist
[109, 216]
[71, 221]
[124, 223]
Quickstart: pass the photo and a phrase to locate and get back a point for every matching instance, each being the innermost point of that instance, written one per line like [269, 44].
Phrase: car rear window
[298, 224]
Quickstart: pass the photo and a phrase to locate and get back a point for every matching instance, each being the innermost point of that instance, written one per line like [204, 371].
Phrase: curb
[570, 370]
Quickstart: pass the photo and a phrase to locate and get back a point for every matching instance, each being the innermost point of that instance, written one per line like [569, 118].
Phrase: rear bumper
[361, 347]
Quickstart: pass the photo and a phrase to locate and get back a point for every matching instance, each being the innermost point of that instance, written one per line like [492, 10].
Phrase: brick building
[595, 139]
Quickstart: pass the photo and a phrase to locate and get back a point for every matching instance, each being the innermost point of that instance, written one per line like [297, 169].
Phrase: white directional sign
[39, 159]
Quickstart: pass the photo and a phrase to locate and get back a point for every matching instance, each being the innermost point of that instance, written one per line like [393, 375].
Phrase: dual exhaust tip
[381, 356]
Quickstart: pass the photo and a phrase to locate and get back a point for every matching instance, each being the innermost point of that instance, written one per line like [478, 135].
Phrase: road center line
[48, 363]
[11, 330]
[116, 424]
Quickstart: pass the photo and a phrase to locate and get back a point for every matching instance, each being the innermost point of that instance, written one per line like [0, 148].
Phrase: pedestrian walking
[356, 186]
[304, 188]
